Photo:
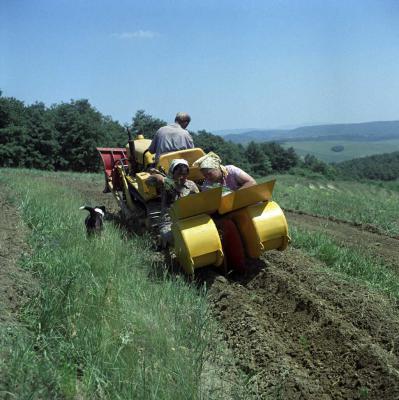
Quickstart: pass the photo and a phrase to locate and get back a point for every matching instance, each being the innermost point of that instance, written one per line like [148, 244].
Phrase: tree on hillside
[146, 124]
[115, 136]
[42, 146]
[314, 164]
[383, 167]
[81, 129]
[230, 153]
[13, 132]
[258, 160]
[12, 112]
[280, 158]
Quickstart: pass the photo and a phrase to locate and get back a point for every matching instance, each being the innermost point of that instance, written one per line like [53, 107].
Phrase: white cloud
[140, 34]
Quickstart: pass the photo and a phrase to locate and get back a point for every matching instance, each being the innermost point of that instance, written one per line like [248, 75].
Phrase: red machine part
[233, 247]
[112, 157]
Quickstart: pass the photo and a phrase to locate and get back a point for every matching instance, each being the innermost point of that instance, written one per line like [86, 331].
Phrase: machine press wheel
[233, 247]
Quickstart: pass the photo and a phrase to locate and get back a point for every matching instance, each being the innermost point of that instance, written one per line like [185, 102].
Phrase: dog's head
[94, 221]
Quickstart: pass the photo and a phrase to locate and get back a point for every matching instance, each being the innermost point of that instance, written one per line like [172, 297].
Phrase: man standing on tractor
[172, 137]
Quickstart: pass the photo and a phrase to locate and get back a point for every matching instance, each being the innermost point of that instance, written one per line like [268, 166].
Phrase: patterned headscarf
[211, 161]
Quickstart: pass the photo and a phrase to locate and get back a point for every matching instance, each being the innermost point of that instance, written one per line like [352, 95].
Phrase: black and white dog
[94, 221]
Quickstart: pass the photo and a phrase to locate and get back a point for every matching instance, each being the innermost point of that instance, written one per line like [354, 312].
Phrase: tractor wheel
[233, 248]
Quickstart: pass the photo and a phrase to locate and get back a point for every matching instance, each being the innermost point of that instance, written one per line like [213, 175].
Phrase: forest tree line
[61, 137]
[64, 137]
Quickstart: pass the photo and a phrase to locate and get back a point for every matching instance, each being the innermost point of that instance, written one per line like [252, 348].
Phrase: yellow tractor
[208, 228]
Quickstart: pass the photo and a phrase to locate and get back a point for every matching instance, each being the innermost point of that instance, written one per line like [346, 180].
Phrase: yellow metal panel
[200, 203]
[149, 158]
[190, 155]
[132, 181]
[140, 146]
[247, 196]
[262, 227]
[147, 192]
[123, 176]
[197, 243]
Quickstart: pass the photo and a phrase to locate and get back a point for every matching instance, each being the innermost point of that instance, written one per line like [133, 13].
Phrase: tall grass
[101, 326]
[38, 173]
[357, 202]
[390, 185]
[349, 262]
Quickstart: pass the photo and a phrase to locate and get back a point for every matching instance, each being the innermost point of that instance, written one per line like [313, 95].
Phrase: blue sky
[230, 64]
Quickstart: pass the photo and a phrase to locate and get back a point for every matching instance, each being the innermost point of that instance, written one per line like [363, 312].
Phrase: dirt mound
[300, 333]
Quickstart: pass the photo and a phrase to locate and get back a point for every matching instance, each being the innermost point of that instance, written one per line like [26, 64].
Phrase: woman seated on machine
[174, 186]
[229, 177]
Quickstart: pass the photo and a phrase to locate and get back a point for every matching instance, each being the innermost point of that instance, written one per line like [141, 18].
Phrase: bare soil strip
[16, 284]
[300, 332]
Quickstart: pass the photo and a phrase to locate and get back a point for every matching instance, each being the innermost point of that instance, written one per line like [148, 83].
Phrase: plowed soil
[303, 334]
[299, 331]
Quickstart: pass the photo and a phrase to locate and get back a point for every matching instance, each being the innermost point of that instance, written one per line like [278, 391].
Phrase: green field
[352, 149]
[347, 200]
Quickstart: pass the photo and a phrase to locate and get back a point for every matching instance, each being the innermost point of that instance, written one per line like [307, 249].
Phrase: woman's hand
[155, 180]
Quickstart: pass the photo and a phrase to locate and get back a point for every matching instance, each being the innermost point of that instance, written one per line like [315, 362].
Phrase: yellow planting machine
[208, 228]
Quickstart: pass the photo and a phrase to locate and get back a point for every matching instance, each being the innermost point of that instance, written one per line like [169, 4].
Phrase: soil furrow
[298, 344]
[384, 247]
[361, 226]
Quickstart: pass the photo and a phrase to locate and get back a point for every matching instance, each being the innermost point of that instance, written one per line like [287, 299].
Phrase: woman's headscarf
[174, 163]
[211, 161]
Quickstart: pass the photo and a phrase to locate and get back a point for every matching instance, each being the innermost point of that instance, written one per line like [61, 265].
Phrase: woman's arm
[245, 180]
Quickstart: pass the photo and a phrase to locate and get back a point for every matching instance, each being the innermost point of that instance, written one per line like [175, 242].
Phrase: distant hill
[365, 131]
[224, 132]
